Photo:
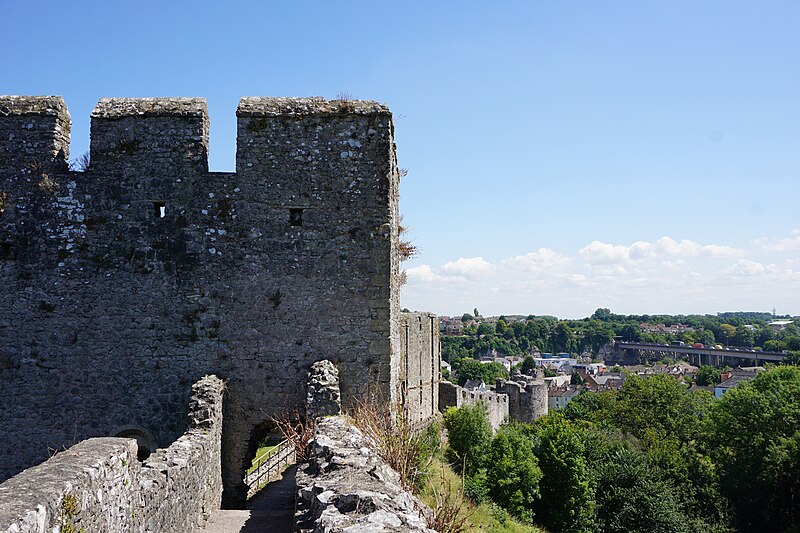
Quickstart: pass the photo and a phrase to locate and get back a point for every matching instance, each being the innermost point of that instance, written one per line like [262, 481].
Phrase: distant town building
[475, 385]
[780, 325]
[559, 397]
[558, 381]
[674, 329]
[733, 378]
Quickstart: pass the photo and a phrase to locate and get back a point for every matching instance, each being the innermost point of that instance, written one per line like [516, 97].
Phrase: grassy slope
[261, 451]
[484, 517]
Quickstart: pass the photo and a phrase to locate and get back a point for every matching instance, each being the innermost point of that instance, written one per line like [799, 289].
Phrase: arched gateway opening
[269, 454]
[259, 461]
[144, 441]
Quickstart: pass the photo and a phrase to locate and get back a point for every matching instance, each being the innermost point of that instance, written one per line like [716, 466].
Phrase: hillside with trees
[522, 336]
[649, 457]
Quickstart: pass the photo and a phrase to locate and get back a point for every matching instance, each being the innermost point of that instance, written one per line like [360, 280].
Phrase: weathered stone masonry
[175, 489]
[124, 284]
[346, 486]
[420, 365]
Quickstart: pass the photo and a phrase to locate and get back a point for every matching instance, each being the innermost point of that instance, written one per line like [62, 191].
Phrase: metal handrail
[282, 454]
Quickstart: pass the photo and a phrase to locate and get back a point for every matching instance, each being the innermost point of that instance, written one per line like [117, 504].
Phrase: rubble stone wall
[346, 486]
[527, 399]
[451, 395]
[124, 284]
[420, 365]
[175, 489]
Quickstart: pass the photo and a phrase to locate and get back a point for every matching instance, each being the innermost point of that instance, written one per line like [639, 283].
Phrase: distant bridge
[701, 356]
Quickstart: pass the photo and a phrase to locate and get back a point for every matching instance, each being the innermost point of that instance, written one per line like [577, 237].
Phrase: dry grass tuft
[346, 102]
[47, 184]
[405, 449]
[448, 511]
[299, 430]
[80, 164]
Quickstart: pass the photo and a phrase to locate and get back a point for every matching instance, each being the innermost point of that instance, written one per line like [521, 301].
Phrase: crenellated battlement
[170, 136]
[125, 283]
[34, 130]
[160, 136]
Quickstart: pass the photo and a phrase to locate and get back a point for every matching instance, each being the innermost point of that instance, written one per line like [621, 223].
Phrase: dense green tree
[656, 407]
[567, 484]
[469, 436]
[744, 336]
[472, 369]
[528, 365]
[466, 317]
[782, 471]
[513, 473]
[707, 375]
[706, 337]
[563, 338]
[485, 329]
[774, 345]
[630, 332]
[753, 439]
[602, 314]
[728, 331]
[583, 406]
[631, 498]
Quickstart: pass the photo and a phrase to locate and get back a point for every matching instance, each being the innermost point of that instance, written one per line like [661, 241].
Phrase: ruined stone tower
[126, 283]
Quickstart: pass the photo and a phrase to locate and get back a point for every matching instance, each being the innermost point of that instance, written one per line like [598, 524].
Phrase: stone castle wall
[124, 284]
[420, 365]
[175, 489]
[527, 398]
[497, 405]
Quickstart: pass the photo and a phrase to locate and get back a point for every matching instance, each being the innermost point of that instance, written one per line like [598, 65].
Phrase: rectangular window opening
[295, 216]
[159, 209]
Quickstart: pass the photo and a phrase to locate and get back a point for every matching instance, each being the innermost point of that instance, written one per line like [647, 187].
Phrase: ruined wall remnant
[323, 397]
[497, 405]
[346, 485]
[98, 484]
[420, 365]
[524, 400]
[124, 284]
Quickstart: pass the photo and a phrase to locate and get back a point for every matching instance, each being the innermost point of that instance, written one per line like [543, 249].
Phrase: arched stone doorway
[145, 442]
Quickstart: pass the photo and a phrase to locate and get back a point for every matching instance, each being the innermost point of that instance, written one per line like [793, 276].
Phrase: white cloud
[542, 260]
[600, 252]
[746, 267]
[786, 244]
[470, 267]
[597, 253]
[664, 275]
[423, 273]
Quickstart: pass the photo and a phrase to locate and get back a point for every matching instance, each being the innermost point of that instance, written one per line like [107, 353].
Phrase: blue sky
[562, 157]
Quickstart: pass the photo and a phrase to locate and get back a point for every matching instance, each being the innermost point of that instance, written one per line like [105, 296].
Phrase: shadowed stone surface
[124, 284]
[270, 510]
[175, 489]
